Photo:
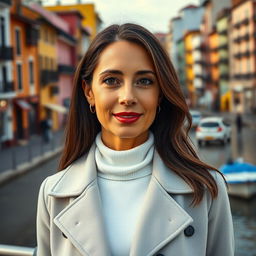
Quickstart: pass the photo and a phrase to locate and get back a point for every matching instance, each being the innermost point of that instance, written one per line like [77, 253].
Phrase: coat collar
[83, 171]
[82, 222]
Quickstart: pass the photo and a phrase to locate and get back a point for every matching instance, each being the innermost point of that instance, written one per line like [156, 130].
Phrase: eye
[144, 81]
[111, 81]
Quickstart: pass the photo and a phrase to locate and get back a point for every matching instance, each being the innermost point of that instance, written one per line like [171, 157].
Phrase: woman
[130, 181]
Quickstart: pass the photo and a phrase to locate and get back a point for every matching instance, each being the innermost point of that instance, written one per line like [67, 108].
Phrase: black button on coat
[189, 231]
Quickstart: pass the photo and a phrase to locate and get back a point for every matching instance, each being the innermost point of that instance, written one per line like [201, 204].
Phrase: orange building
[190, 65]
[24, 34]
[214, 66]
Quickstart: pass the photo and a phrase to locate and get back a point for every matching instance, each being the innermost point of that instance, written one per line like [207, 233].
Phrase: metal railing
[14, 250]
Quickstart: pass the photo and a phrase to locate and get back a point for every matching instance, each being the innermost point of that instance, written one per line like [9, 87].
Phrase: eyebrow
[118, 72]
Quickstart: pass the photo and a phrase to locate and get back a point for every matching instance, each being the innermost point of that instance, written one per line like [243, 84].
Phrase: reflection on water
[244, 218]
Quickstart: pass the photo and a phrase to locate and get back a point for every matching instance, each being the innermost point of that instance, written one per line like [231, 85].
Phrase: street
[18, 198]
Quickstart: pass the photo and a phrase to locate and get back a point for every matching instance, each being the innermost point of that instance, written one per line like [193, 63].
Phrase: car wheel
[224, 141]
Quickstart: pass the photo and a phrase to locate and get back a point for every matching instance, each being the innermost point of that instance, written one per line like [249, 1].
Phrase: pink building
[69, 53]
[66, 46]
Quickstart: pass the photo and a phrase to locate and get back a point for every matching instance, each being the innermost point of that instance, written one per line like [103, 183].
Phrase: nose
[127, 96]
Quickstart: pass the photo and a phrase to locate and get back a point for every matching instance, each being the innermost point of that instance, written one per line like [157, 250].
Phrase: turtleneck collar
[126, 164]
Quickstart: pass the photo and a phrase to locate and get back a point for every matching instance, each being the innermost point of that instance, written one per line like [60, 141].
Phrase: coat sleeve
[43, 223]
[220, 225]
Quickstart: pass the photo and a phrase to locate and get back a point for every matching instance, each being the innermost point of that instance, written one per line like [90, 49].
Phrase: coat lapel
[81, 221]
[161, 218]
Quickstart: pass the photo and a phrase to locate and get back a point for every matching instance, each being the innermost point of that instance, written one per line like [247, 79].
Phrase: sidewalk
[19, 159]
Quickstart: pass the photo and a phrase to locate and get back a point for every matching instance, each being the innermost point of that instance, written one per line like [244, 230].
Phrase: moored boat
[241, 178]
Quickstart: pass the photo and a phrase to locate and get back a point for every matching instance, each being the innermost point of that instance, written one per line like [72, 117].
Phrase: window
[45, 63]
[248, 65]
[19, 75]
[40, 62]
[46, 35]
[52, 64]
[18, 41]
[31, 71]
[2, 28]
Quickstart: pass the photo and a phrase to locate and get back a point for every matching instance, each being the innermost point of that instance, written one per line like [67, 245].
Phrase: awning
[56, 107]
[23, 105]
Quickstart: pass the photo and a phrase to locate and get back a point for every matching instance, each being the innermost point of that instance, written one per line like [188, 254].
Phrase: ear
[88, 93]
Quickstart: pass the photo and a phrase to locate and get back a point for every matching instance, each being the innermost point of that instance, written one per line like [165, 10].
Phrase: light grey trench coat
[70, 222]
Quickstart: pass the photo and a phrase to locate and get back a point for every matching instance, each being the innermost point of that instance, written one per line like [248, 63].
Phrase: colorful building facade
[243, 59]
[24, 38]
[91, 18]
[7, 92]
[51, 27]
[222, 27]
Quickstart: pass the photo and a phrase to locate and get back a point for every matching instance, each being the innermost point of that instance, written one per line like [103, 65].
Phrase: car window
[209, 124]
[226, 123]
[195, 115]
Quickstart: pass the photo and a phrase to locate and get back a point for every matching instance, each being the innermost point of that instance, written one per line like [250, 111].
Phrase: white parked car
[213, 129]
[196, 117]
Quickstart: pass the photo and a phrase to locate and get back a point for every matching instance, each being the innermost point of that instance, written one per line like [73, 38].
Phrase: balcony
[237, 76]
[223, 46]
[66, 69]
[7, 87]
[224, 76]
[31, 36]
[5, 3]
[54, 90]
[224, 61]
[6, 53]
[223, 32]
[238, 55]
[237, 40]
[246, 54]
[48, 76]
[245, 21]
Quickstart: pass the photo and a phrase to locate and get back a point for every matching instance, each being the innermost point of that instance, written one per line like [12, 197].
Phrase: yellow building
[91, 18]
[48, 68]
[189, 65]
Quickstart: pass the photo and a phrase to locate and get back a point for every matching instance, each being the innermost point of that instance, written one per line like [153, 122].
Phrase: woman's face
[125, 94]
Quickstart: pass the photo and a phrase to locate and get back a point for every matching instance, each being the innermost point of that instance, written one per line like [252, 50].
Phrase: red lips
[127, 117]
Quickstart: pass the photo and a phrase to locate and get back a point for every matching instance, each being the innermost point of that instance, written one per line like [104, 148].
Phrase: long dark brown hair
[171, 136]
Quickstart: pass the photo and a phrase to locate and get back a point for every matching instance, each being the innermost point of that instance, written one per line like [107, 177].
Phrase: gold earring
[92, 109]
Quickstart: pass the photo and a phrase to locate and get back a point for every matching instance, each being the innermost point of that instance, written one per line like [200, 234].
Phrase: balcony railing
[66, 69]
[31, 36]
[48, 76]
[16, 250]
[5, 3]
[238, 55]
[54, 90]
[224, 76]
[6, 53]
[7, 87]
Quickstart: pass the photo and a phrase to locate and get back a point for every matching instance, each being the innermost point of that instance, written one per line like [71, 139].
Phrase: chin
[130, 134]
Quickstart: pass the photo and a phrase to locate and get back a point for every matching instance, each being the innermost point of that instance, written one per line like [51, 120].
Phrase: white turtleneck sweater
[123, 178]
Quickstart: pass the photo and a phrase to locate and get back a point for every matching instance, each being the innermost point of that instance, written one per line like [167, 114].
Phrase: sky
[153, 14]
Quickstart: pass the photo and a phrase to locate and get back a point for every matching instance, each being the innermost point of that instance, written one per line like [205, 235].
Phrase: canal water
[244, 219]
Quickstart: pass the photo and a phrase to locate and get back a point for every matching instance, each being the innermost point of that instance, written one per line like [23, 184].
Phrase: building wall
[87, 10]
[28, 53]
[47, 49]
[243, 58]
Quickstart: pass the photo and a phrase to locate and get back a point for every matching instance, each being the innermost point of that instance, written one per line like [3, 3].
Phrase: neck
[120, 143]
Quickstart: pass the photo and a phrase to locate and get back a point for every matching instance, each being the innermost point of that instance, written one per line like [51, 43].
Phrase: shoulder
[220, 181]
